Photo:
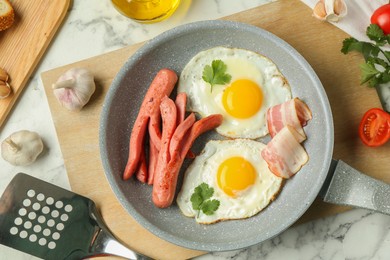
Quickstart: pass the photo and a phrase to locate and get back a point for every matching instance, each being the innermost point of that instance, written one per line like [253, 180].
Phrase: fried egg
[241, 180]
[256, 84]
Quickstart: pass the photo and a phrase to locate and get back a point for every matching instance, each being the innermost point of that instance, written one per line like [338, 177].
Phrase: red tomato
[374, 129]
[381, 17]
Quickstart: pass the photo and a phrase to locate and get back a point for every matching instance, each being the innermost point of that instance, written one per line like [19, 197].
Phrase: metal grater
[50, 222]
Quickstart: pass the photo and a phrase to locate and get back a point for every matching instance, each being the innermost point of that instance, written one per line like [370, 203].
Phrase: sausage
[165, 182]
[181, 102]
[169, 117]
[142, 172]
[162, 85]
[199, 127]
[153, 156]
[177, 136]
[179, 133]
[154, 130]
[136, 146]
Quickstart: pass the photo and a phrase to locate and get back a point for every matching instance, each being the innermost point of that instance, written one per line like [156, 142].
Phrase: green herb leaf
[210, 206]
[206, 191]
[216, 73]
[375, 33]
[385, 77]
[196, 200]
[366, 48]
[208, 74]
[386, 54]
[376, 69]
[368, 72]
[351, 44]
[200, 199]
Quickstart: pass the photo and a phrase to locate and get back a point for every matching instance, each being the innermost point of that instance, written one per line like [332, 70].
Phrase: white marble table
[93, 27]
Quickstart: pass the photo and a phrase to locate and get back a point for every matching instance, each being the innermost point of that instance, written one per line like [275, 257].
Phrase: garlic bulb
[330, 10]
[74, 88]
[21, 148]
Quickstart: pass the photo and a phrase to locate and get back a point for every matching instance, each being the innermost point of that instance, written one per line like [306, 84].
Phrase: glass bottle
[146, 11]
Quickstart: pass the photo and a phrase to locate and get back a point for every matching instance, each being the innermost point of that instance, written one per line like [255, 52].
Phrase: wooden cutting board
[292, 21]
[23, 44]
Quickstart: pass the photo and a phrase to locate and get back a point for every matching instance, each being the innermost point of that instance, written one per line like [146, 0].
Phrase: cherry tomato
[381, 17]
[374, 129]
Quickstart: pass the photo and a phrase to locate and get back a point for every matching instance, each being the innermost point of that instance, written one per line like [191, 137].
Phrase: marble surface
[93, 27]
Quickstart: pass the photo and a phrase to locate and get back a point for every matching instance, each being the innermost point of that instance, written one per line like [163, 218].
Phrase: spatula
[50, 222]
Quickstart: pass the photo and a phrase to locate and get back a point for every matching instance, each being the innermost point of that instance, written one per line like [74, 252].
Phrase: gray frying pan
[173, 49]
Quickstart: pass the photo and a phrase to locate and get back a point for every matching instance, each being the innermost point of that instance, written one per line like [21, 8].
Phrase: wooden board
[23, 44]
[292, 21]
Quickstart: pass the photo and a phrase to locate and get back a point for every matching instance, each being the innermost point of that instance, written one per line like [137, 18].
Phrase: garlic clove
[21, 148]
[319, 11]
[74, 88]
[340, 7]
[5, 89]
[330, 10]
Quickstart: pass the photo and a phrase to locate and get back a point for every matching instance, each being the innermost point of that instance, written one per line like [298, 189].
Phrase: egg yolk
[242, 99]
[235, 174]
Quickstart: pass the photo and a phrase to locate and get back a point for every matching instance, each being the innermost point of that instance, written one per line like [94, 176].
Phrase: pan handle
[350, 187]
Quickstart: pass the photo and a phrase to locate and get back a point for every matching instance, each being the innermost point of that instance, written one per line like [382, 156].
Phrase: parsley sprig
[216, 73]
[376, 69]
[201, 199]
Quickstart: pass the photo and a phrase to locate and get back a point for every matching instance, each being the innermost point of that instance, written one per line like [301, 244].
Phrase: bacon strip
[293, 112]
[284, 154]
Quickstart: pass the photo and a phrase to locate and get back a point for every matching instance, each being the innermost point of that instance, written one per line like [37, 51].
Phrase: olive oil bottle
[146, 11]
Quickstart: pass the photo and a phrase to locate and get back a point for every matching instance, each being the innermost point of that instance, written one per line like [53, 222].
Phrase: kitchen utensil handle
[353, 188]
[105, 242]
[383, 91]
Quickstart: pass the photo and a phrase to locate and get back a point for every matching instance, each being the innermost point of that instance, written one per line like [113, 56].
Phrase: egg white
[241, 64]
[204, 169]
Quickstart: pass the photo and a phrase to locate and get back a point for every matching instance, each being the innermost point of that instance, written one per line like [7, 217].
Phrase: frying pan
[173, 49]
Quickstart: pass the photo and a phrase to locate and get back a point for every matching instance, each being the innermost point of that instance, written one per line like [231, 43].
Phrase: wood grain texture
[292, 21]
[23, 44]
